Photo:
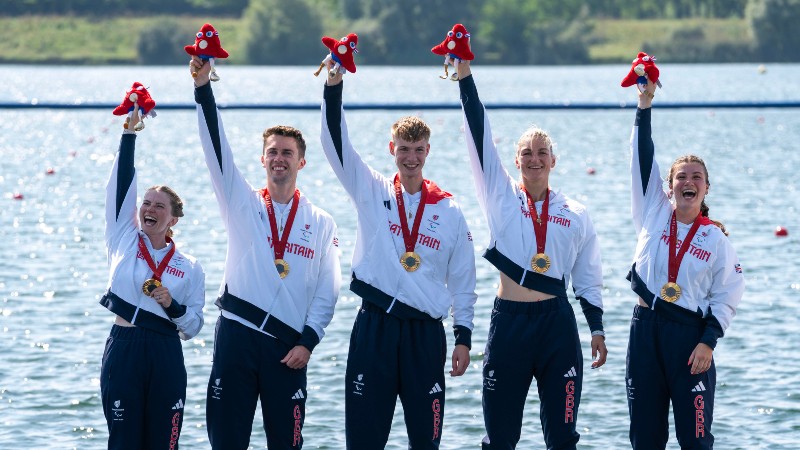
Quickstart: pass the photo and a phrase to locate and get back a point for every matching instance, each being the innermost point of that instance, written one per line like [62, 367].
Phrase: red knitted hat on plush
[456, 43]
[137, 94]
[343, 50]
[207, 43]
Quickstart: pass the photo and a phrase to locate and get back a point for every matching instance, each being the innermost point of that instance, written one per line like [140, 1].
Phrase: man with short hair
[413, 262]
[281, 282]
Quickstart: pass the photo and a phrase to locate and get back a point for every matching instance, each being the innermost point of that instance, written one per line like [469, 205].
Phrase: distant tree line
[105, 8]
[354, 9]
[394, 31]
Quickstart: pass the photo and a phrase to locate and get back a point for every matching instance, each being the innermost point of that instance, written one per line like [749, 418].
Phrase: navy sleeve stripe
[333, 116]
[204, 96]
[593, 314]
[473, 110]
[125, 169]
[645, 145]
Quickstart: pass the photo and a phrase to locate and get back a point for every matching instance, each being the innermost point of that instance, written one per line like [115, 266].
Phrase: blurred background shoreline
[401, 32]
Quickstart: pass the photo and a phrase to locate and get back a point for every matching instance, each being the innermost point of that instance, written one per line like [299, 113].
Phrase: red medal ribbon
[410, 239]
[539, 222]
[157, 271]
[675, 259]
[279, 242]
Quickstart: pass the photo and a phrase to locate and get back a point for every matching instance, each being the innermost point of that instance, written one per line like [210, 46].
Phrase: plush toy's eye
[646, 58]
[353, 45]
[450, 33]
[344, 39]
[459, 35]
[209, 33]
[199, 34]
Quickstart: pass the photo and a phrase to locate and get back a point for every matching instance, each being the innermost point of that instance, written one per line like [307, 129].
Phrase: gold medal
[149, 286]
[540, 263]
[671, 292]
[283, 267]
[410, 261]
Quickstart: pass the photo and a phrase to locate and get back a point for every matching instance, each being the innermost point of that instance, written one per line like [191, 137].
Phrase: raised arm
[121, 193]
[347, 164]
[646, 189]
[230, 187]
[492, 181]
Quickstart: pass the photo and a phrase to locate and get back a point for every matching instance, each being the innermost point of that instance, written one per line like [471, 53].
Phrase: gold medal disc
[149, 286]
[671, 292]
[283, 267]
[540, 263]
[410, 261]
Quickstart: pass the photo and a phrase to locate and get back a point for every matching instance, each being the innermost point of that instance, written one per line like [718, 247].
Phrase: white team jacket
[306, 298]
[571, 239]
[446, 277]
[183, 276]
[710, 275]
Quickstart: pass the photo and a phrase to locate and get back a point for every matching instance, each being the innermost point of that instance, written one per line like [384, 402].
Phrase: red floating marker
[18, 196]
[50, 171]
[590, 170]
[781, 232]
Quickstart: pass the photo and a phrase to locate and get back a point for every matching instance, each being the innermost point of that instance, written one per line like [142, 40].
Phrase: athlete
[413, 262]
[279, 289]
[689, 282]
[157, 293]
[540, 241]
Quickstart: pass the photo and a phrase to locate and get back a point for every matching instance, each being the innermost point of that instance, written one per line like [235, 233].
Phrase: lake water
[53, 267]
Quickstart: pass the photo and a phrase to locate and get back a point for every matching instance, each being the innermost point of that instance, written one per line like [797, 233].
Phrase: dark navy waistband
[540, 307]
[662, 307]
[135, 333]
[258, 317]
[524, 277]
[669, 312]
[137, 316]
[385, 302]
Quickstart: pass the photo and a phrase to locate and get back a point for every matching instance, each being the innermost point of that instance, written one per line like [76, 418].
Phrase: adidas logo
[298, 395]
[699, 388]
[178, 405]
[436, 389]
[571, 373]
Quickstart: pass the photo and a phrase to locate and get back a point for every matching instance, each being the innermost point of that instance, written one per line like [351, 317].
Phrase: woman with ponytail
[689, 282]
[157, 293]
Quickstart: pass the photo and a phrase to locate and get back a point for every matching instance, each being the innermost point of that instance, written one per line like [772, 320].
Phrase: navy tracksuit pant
[657, 372]
[388, 357]
[527, 340]
[143, 388]
[247, 365]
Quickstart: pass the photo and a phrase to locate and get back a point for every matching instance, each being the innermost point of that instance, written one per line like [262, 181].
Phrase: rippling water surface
[53, 267]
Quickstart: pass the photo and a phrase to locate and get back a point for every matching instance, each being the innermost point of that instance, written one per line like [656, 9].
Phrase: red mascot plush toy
[136, 99]
[454, 47]
[342, 52]
[643, 69]
[207, 46]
